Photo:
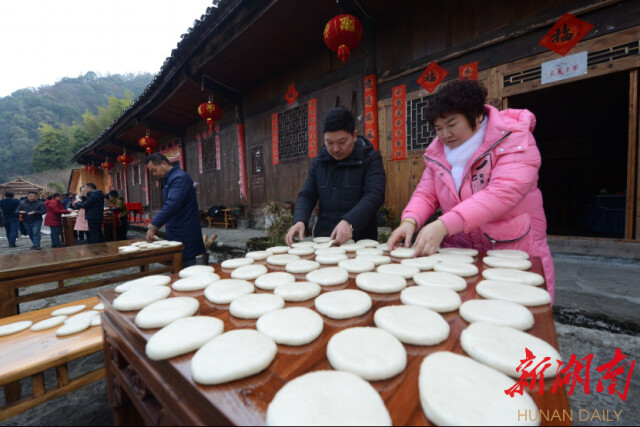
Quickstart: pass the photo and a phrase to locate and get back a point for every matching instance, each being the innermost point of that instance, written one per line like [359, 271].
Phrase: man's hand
[403, 232]
[151, 232]
[296, 229]
[341, 233]
[430, 237]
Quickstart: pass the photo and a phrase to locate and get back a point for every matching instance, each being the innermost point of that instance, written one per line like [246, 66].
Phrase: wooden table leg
[177, 262]
[8, 305]
[12, 392]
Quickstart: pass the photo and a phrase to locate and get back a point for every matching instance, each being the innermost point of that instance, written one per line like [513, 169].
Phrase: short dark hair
[8, 194]
[56, 195]
[157, 159]
[91, 185]
[466, 97]
[33, 192]
[339, 119]
[113, 193]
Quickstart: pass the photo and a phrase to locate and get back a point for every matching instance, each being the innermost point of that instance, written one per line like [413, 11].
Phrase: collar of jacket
[168, 175]
[361, 148]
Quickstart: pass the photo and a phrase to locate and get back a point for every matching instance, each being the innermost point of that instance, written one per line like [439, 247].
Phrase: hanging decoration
[371, 109]
[211, 112]
[468, 71]
[93, 169]
[107, 165]
[399, 129]
[342, 34]
[565, 34]
[242, 178]
[312, 125]
[148, 143]
[275, 156]
[291, 95]
[124, 158]
[432, 76]
[218, 152]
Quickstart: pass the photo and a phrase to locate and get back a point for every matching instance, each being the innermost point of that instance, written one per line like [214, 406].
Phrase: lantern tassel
[343, 52]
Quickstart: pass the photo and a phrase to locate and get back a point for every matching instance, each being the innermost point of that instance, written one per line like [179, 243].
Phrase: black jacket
[351, 189]
[93, 206]
[27, 206]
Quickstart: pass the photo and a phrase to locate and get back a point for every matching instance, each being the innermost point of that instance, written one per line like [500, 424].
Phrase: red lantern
[93, 169]
[148, 143]
[342, 34]
[107, 165]
[125, 159]
[211, 112]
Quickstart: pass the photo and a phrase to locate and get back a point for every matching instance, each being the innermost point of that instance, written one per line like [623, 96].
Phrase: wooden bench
[227, 220]
[29, 354]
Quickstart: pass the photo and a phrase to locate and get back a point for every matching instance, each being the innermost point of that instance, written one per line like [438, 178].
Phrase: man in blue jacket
[11, 218]
[348, 180]
[180, 214]
[93, 212]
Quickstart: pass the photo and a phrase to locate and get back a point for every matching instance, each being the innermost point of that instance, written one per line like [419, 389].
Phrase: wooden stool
[228, 220]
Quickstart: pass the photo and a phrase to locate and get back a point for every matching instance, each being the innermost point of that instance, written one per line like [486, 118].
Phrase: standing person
[348, 179]
[8, 205]
[119, 209]
[53, 218]
[32, 210]
[482, 171]
[94, 212]
[82, 226]
[180, 214]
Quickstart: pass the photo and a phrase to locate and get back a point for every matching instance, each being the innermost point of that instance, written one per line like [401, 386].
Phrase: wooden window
[293, 135]
[419, 132]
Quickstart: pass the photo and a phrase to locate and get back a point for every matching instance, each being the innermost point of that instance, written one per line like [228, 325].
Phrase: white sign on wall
[564, 68]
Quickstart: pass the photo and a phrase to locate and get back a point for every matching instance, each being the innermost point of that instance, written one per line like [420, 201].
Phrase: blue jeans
[55, 236]
[33, 230]
[11, 227]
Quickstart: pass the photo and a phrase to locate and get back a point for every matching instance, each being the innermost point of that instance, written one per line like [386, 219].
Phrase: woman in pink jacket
[482, 171]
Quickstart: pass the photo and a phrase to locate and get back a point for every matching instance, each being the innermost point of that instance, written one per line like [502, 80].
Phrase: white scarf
[460, 156]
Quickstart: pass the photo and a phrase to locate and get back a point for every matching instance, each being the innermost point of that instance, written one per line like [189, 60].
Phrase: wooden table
[31, 268]
[144, 391]
[69, 222]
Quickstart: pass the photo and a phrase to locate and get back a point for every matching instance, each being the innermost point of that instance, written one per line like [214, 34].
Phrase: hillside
[57, 105]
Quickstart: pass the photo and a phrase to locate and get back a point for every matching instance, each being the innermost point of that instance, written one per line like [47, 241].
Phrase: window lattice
[293, 136]
[419, 132]
[209, 153]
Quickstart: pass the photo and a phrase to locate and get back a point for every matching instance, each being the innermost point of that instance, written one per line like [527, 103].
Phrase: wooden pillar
[632, 223]
[242, 170]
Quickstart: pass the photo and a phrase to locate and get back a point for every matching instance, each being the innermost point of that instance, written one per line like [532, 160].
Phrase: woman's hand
[403, 232]
[429, 238]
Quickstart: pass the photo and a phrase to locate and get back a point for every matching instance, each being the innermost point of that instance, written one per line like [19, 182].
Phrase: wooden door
[257, 177]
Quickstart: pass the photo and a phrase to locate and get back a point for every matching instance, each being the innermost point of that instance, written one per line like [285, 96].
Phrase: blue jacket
[93, 206]
[9, 207]
[351, 189]
[180, 214]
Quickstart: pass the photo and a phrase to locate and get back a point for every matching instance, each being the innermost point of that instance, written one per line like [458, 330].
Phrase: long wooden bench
[29, 354]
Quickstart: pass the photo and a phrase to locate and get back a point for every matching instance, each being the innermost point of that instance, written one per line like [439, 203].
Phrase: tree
[53, 151]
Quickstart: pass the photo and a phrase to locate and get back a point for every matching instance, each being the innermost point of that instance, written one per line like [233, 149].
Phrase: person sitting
[482, 171]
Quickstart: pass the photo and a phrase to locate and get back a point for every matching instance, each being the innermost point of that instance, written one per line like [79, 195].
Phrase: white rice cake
[357, 265]
[329, 276]
[438, 299]
[460, 251]
[226, 290]
[144, 282]
[508, 253]
[252, 306]
[236, 262]
[183, 336]
[282, 259]
[446, 280]
[458, 268]
[403, 253]
[504, 313]
[195, 283]
[381, 283]
[48, 323]
[402, 270]
[424, 263]
[257, 255]
[137, 299]
[160, 313]
[66, 311]
[506, 262]
[412, 324]
[270, 281]
[195, 270]
[302, 266]
[343, 304]
[249, 272]
[508, 291]
[298, 291]
[510, 275]
[294, 326]
[14, 327]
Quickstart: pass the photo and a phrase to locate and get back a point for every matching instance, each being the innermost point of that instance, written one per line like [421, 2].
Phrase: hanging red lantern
[342, 34]
[125, 159]
[211, 112]
[87, 168]
[148, 143]
[107, 165]
[93, 169]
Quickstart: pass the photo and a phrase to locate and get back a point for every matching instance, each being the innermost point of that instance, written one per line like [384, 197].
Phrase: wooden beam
[216, 88]
[632, 172]
[161, 127]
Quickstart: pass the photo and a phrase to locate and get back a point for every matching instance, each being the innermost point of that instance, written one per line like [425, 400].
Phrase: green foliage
[277, 221]
[56, 187]
[53, 151]
[384, 234]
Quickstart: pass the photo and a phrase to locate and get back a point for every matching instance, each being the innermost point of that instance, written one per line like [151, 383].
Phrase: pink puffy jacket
[499, 205]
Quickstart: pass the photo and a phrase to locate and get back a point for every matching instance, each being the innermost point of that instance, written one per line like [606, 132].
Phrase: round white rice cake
[252, 306]
[302, 244]
[445, 280]
[328, 398]
[502, 348]
[369, 251]
[270, 281]
[321, 239]
[194, 283]
[231, 356]
[412, 324]
[376, 259]
[325, 245]
[403, 253]
[144, 282]
[257, 255]
[334, 250]
[95, 320]
[138, 244]
[508, 253]
[195, 270]
[504, 313]
[48, 323]
[302, 266]
[14, 327]
[278, 250]
[302, 251]
[449, 382]
[298, 291]
[330, 259]
[343, 304]
[128, 249]
[73, 327]
[458, 268]
[424, 263]
[384, 247]
[236, 262]
[137, 299]
[282, 259]
[368, 243]
[99, 307]
[380, 283]
[249, 272]
[526, 295]
[371, 353]
[505, 262]
[329, 276]
[293, 326]
[85, 314]
[510, 275]
[183, 336]
[351, 247]
[402, 270]
[161, 313]
[226, 290]
[440, 300]
[66, 311]
[357, 265]
[452, 257]
[459, 251]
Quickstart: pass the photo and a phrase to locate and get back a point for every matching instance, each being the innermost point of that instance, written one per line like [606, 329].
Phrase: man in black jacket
[348, 180]
[32, 211]
[93, 212]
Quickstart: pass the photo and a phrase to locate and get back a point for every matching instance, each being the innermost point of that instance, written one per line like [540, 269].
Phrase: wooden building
[20, 187]
[247, 55]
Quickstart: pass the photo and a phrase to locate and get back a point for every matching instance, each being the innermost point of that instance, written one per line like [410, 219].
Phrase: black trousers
[94, 235]
[121, 232]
